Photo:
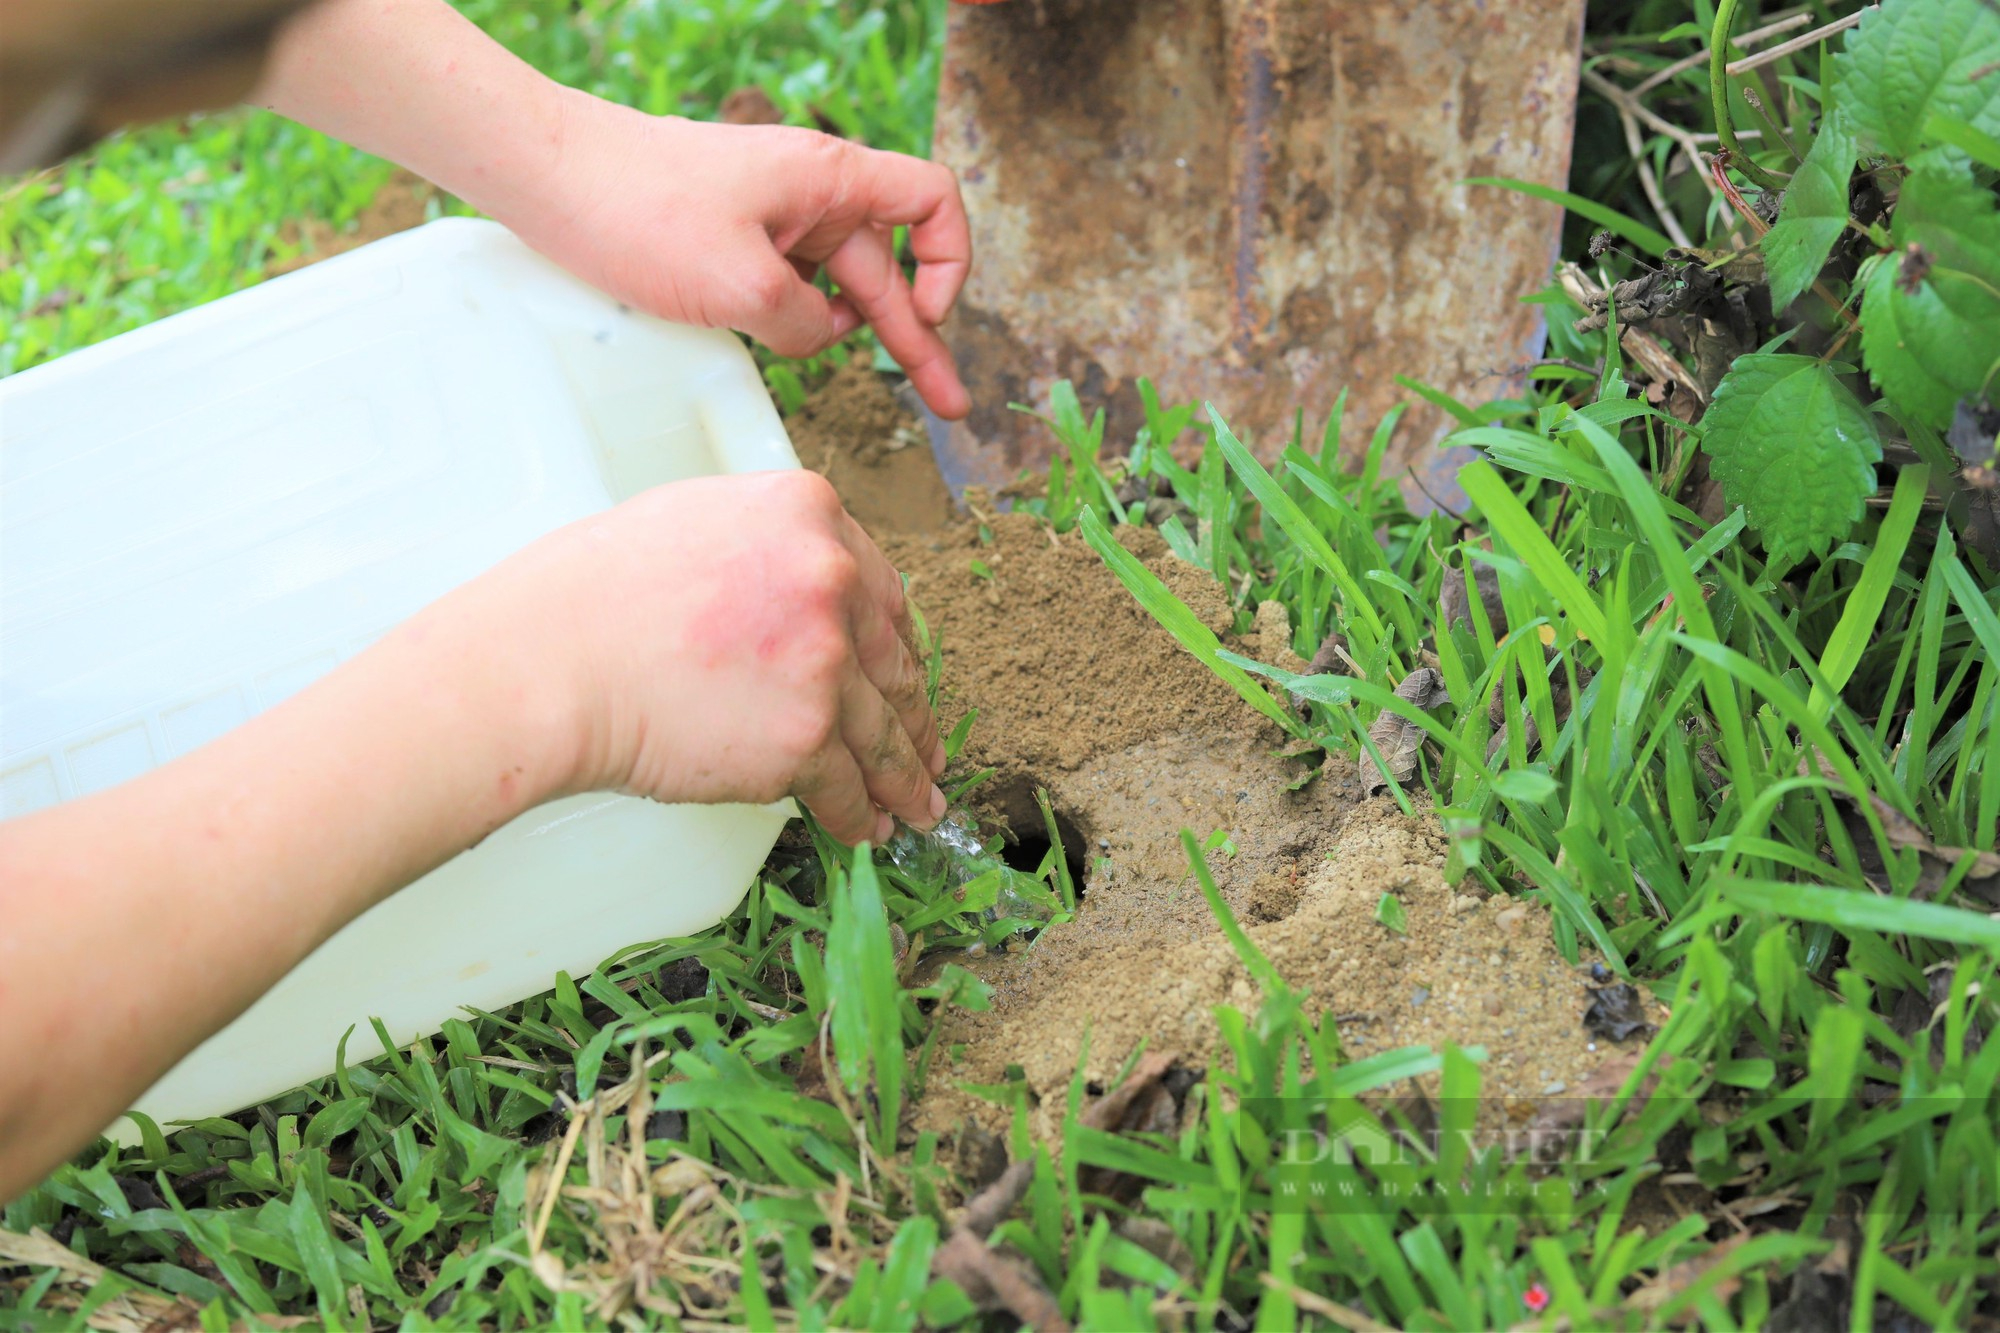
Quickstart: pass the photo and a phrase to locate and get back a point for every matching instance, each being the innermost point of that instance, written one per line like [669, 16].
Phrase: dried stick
[1746, 41]
[1629, 104]
[1642, 347]
[991, 1278]
[1649, 184]
[1798, 43]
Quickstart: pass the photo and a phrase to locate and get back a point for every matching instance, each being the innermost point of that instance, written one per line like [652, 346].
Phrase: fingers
[834, 790]
[868, 774]
[907, 191]
[897, 780]
[782, 310]
[869, 277]
[880, 749]
[885, 645]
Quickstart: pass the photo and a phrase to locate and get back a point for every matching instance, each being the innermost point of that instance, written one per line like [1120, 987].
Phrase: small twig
[1648, 183]
[556, 1176]
[1345, 1316]
[989, 1207]
[1719, 165]
[1798, 43]
[1756, 105]
[1443, 508]
[1626, 102]
[1110, 1109]
[202, 1177]
[1745, 42]
[1595, 372]
[988, 1276]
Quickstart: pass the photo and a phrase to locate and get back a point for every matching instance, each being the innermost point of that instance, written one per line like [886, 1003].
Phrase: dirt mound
[1079, 692]
[1468, 970]
[854, 432]
[1063, 666]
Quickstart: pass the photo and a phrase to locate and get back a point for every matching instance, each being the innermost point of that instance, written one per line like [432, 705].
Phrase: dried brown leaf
[750, 106]
[1681, 1276]
[1455, 603]
[1399, 740]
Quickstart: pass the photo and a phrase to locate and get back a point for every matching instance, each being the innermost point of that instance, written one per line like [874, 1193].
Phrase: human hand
[721, 225]
[727, 225]
[728, 639]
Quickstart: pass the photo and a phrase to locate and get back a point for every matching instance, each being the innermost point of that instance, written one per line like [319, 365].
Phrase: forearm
[142, 919]
[418, 83]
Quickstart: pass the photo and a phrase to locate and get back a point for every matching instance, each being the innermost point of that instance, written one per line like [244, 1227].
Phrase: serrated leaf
[1930, 314]
[1912, 59]
[1789, 443]
[1813, 215]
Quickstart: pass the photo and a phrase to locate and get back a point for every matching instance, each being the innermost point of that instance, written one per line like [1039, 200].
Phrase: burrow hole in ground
[1027, 840]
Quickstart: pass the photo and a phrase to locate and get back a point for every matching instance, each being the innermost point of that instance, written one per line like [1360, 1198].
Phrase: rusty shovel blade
[1256, 203]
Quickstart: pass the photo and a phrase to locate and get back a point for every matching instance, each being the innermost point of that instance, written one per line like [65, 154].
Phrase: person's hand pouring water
[730, 639]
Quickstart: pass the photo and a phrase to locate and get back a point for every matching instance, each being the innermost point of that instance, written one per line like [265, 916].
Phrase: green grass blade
[1520, 531]
[1851, 637]
[1287, 514]
[1652, 242]
[1173, 615]
[1865, 911]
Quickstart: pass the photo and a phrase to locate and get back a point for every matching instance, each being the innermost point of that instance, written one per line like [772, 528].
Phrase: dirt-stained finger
[885, 644]
[879, 578]
[890, 667]
[832, 787]
[898, 779]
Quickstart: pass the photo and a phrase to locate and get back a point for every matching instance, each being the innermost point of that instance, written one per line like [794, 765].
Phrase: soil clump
[1062, 664]
[856, 433]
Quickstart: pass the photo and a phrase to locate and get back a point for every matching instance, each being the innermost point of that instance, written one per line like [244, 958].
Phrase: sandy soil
[1079, 692]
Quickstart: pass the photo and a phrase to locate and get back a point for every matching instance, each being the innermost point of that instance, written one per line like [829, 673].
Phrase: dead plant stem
[1798, 43]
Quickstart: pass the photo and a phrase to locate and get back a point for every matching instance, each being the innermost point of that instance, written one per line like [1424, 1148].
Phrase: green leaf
[336, 1119]
[1791, 445]
[861, 975]
[1930, 319]
[1173, 615]
[1856, 628]
[1848, 909]
[1525, 784]
[1813, 215]
[316, 1250]
[1912, 59]
[1389, 911]
[1980, 147]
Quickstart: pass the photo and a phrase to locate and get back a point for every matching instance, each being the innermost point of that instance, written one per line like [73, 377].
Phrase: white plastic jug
[200, 517]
